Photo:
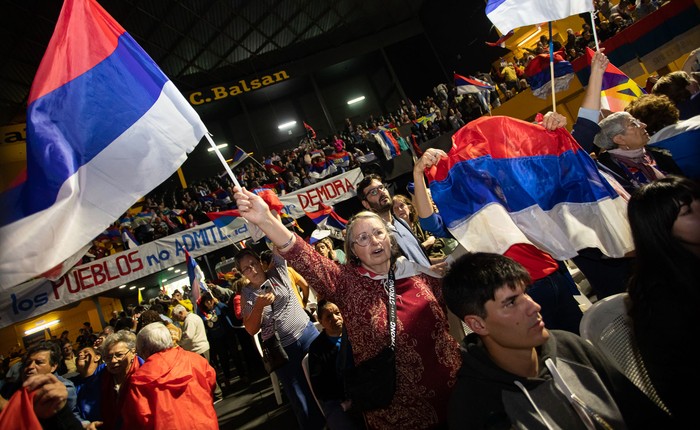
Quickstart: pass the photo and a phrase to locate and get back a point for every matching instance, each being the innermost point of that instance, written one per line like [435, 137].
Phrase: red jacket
[172, 390]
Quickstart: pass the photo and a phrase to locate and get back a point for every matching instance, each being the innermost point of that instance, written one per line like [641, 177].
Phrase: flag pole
[222, 159]
[551, 67]
[595, 33]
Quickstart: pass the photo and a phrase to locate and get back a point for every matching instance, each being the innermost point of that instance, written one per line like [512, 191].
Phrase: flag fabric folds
[325, 216]
[507, 181]
[238, 157]
[100, 112]
[538, 74]
[617, 90]
[309, 131]
[198, 283]
[223, 218]
[509, 14]
[466, 85]
[472, 85]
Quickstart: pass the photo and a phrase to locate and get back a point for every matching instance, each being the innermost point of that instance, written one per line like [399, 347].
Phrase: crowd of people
[395, 300]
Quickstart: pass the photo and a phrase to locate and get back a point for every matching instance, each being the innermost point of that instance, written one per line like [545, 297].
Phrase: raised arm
[421, 199]
[254, 210]
[591, 99]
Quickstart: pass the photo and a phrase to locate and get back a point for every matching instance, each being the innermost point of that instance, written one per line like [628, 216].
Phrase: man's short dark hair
[364, 183]
[473, 279]
[46, 345]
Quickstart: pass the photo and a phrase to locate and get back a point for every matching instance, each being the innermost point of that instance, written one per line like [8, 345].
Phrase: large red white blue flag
[104, 127]
[507, 181]
[509, 14]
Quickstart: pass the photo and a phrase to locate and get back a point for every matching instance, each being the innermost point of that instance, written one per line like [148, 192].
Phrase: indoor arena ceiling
[197, 42]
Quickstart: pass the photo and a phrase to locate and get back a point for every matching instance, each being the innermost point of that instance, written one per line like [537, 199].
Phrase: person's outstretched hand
[553, 121]
[251, 206]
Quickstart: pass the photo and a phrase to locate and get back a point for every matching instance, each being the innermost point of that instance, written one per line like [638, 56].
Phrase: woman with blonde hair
[426, 356]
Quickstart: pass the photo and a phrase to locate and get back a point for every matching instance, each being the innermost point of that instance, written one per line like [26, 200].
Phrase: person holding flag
[426, 357]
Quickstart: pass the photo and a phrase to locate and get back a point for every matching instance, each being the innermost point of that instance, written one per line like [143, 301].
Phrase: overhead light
[41, 327]
[528, 38]
[178, 271]
[142, 288]
[164, 280]
[122, 286]
[171, 268]
[221, 145]
[356, 100]
[133, 287]
[287, 125]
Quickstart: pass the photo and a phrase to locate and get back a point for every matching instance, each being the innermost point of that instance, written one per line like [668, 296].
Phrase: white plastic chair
[276, 387]
[606, 325]
[305, 366]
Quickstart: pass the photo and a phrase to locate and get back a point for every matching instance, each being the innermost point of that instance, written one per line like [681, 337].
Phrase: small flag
[539, 77]
[198, 283]
[470, 84]
[140, 297]
[128, 239]
[325, 216]
[238, 157]
[309, 131]
[617, 90]
[509, 14]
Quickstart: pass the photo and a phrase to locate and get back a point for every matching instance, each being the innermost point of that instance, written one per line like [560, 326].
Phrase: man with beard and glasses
[375, 197]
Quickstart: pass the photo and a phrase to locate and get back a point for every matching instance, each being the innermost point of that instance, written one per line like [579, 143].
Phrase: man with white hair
[194, 335]
[173, 385]
[194, 338]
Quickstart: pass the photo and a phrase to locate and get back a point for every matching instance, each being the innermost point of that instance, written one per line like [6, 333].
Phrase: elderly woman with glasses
[119, 354]
[627, 155]
[427, 357]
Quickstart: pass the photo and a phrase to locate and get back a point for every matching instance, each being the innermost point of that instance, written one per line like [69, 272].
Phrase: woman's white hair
[153, 338]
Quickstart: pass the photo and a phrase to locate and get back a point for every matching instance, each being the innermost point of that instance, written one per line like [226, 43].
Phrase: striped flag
[507, 15]
[325, 216]
[472, 85]
[238, 157]
[508, 182]
[198, 283]
[617, 90]
[104, 127]
[538, 74]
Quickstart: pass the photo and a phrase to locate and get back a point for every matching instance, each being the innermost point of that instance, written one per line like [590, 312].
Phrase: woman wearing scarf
[624, 140]
[427, 357]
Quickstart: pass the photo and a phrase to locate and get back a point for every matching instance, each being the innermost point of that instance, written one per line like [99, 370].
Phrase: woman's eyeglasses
[117, 355]
[363, 239]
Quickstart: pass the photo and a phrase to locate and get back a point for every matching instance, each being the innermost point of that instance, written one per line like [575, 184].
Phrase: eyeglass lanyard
[391, 307]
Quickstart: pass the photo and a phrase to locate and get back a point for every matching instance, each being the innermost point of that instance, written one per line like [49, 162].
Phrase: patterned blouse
[427, 357]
